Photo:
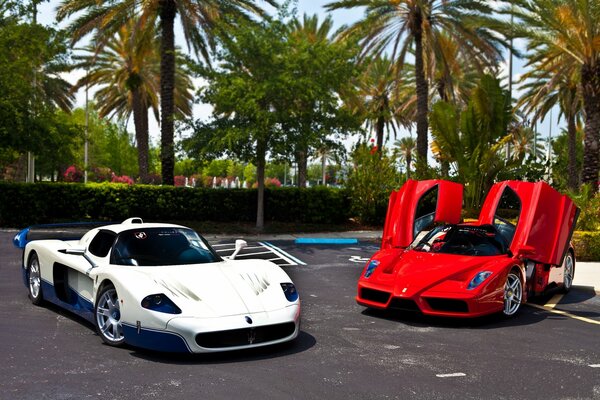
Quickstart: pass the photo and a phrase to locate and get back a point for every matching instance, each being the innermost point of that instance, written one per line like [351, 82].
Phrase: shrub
[72, 174]
[587, 246]
[370, 182]
[26, 204]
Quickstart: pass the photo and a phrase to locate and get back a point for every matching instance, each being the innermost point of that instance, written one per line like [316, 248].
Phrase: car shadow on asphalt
[302, 343]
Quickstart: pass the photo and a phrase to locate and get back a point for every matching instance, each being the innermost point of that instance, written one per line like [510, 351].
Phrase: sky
[46, 15]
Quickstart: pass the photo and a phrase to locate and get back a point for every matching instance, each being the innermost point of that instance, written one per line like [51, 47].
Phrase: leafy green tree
[563, 36]
[31, 89]
[272, 93]
[372, 177]
[127, 69]
[317, 70]
[200, 20]
[415, 26]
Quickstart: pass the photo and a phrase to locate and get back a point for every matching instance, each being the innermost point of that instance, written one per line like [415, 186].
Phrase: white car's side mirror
[239, 245]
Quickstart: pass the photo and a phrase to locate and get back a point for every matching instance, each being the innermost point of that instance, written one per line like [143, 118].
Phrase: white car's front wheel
[34, 277]
[108, 316]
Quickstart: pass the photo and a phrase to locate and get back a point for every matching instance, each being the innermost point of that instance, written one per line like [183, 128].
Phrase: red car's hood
[414, 271]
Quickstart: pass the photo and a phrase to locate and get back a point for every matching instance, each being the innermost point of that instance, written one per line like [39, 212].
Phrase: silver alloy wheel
[108, 317]
[513, 294]
[35, 280]
[568, 272]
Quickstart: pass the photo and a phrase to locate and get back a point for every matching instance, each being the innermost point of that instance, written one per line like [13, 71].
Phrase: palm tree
[564, 35]
[471, 138]
[405, 150]
[543, 90]
[379, 95]
[400, 26]
[200, 20]
[128, 70]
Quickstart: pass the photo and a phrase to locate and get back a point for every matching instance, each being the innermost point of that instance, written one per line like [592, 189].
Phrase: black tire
[513, 294]
[569, 272]
[34, 279]
[107, 316]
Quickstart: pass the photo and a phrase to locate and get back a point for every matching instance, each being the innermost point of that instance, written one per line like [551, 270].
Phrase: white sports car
[162, 287]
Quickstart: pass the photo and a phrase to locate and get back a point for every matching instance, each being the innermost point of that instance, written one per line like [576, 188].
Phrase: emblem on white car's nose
[251, 336]
[248, 320]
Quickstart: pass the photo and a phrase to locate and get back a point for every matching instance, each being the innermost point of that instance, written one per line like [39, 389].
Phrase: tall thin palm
[565, 38]
[127, 69]
[543, 89]
[379, 96]
[406, 150]
[404, 25]
[200, 21]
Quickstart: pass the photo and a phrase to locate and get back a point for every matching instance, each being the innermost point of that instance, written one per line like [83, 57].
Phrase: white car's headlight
[161, 303]
[479, 279]
[290, 291]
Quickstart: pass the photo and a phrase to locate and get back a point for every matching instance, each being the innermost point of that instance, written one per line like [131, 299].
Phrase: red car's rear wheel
[513, 294]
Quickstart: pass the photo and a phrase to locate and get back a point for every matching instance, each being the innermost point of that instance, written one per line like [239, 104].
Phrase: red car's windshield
[462, 239]
[161, 246]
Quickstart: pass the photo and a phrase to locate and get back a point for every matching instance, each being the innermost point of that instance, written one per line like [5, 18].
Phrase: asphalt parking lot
[343, 351]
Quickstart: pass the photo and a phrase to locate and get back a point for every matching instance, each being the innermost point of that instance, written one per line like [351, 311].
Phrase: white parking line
[253, 254]
[454, 375]
[595, 365]
[287, 257]
[233, 248]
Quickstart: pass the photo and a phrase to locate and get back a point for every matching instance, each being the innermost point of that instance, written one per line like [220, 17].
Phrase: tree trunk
[324, 168]
[302, 162]
[445, 168]
[167, 11]
[379, 128]
[260, 178]
[590, 78]
[422, 97]
[408, 162]
[573, 179]
[140, 121]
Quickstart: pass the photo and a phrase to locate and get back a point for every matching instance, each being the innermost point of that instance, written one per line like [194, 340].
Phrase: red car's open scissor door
[416, 205]
[535, 219]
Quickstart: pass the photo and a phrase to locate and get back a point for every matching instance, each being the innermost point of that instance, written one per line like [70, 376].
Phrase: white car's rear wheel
[513, 294]
[35, 280]
[108, 316]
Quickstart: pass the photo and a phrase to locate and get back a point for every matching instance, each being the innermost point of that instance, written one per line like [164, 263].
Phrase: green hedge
[587, 246]
[26, 204]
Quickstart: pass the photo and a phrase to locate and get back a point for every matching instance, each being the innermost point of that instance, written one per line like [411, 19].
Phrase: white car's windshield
[161, 246]
[462, 239]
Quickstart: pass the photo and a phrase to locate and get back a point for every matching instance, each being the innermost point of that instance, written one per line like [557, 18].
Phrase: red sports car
[519, 247]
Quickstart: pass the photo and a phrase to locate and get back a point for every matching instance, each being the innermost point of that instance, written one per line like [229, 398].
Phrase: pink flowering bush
[122, 179]
[72, 174]
[179, 180]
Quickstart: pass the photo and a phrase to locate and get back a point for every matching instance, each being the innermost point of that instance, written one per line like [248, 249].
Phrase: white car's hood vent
[216, 289]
